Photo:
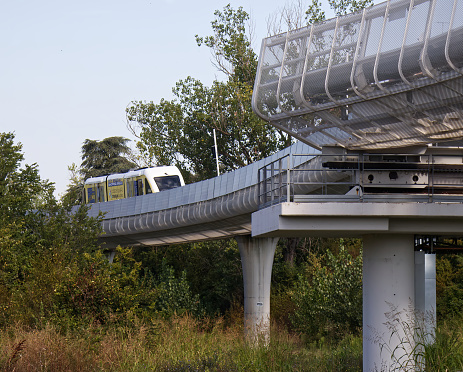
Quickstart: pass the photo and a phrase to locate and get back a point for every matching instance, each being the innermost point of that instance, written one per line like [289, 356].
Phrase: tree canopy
[99, 158]
[315, 12]
[105, 157]
[19, 188]
[180, 131]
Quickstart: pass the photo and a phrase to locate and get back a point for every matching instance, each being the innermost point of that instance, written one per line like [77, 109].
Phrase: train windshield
[167, 182]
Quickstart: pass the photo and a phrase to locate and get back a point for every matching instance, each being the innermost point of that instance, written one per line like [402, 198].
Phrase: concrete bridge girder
[357, 219]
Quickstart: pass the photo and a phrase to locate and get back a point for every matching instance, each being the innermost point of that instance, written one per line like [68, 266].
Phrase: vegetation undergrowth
[181, 343]
[184, 343]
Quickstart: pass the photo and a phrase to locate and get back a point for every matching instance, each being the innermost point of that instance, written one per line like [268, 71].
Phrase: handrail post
[280, 179]
[288, 180]
[361, 169]
[431, 172]
[272, 182]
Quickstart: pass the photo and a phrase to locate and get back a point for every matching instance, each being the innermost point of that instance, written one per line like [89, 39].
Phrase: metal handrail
[354, 179]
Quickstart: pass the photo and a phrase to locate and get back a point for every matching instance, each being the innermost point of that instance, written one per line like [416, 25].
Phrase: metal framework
[389, 76]
[364, 177]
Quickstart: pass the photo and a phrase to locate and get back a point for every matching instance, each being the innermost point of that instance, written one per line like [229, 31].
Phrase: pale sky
[68, 69]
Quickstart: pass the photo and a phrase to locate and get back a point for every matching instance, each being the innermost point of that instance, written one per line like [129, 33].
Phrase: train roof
[161, 171]
[93, 180]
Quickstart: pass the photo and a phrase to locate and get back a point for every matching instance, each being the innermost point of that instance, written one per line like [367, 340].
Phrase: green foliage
[212, 269]
[19, 188]
[420, 345]
[91, 291]
[38, 239]
[449, 286]
[105, 157]
[174, 295]
[180, 131]
[328, 298]
[315, 13]
[231, 45]
[445, 353]
[36, 267]
[74, 193]
[342, 7]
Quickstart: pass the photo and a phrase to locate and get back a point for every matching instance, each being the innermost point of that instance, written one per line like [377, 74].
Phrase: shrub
[328, 298]
[174, 295]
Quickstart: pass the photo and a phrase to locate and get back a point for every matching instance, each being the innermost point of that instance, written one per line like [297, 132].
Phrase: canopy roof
[389, 76]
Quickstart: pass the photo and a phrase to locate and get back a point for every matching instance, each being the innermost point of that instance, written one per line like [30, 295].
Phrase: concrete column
[111, 255]
[388, 300]
[257, 259]
[425, 292]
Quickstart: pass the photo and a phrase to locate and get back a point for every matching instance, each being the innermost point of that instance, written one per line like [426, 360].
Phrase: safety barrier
[363, 178]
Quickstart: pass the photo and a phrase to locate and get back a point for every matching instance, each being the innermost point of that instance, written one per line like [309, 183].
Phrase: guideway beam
[257, 260]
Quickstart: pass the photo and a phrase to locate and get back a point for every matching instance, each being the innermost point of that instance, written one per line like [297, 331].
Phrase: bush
[449, 286]
[212, 268]
[174, 295]
[328, 298]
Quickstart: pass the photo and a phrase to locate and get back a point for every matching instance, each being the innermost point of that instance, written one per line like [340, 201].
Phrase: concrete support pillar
[425, 292]
[257, 259]
[111, 255]
[388, 297]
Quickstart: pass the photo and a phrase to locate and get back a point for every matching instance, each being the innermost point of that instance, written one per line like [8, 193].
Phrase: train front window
[167, 182]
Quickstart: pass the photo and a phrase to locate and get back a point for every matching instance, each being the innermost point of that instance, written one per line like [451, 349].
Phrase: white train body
[132, 183]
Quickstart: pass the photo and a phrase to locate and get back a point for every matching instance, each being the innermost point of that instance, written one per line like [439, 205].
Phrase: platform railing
[274, 181]
[362, 178]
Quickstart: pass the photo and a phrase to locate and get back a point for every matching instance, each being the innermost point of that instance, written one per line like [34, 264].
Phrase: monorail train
[133, 183]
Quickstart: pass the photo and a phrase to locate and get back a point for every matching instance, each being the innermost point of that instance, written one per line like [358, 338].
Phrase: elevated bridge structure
[379, 95]
[217, 208]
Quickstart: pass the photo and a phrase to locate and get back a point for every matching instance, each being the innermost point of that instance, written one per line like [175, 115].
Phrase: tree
[105, 157]
[38, 237]
[74, 192]
[180, 131]
[19, 188]
[108, 156]
[231, 46]
[315, 13]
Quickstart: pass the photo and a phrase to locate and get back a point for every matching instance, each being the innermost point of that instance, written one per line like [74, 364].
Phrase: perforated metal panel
[389, 76]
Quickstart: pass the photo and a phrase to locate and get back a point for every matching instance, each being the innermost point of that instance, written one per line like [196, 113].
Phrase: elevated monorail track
[212, 209]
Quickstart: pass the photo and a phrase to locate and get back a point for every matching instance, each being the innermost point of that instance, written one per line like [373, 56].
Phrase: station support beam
[257, 260]
[388, 301]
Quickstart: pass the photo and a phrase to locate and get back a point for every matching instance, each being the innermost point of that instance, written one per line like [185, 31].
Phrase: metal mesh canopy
[389, 76]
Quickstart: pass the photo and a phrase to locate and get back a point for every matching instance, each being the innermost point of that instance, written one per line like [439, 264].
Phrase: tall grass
[420, 345]
[180, 344]
[186, 344]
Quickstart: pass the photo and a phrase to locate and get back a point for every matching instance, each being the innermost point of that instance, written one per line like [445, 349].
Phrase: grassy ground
[184, 344]
[181, 344]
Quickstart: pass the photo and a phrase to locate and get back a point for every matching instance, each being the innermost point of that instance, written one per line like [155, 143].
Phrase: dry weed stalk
[15, 355]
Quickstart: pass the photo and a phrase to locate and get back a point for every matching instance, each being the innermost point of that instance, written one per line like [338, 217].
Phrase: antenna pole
[216, 153]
